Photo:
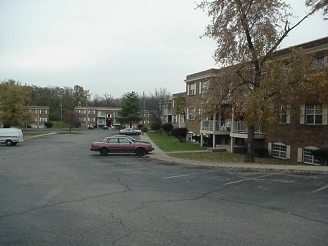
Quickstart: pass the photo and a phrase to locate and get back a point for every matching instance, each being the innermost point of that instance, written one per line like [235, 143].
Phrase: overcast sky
[114, 47]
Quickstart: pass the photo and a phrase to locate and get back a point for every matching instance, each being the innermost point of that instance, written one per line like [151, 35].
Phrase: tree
[130, 111]
[248, 33]
[180, 105]
[72, 119]
[319, 5]
[155, 103]
[13, 101]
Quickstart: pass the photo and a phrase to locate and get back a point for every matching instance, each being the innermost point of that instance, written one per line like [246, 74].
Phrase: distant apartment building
[98, 116]
[40, 116]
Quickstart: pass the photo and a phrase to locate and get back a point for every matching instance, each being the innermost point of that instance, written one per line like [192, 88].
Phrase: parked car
[91, 127]
[129, 131]
[105, 127]
[121, 144]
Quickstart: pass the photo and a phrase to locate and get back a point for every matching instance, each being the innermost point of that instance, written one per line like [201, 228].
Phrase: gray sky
[114, 47]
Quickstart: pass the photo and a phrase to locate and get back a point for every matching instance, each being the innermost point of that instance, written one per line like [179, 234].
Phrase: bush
[139, 126]
[322, 155]
[260, 152]
[155, 126]
[48, 124]
[180, 133]
[144, 129]
[167, 127]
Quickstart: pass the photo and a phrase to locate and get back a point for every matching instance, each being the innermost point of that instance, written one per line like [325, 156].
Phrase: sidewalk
[158, 154]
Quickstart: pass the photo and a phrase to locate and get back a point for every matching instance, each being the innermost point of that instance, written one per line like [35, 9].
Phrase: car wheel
[140, 151]
[103, 151]
[9, 143]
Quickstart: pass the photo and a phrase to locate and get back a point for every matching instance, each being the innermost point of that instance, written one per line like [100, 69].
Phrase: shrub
[48, 124]
[180, 133]
[322, 155]
[155, 126]
[261, 152]
[167, 127]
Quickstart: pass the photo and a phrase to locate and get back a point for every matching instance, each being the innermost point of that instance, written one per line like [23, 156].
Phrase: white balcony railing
[212, 125]
[240, 127]
[234, 127]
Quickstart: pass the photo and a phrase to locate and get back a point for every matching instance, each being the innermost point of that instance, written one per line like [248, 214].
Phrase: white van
[11, 136]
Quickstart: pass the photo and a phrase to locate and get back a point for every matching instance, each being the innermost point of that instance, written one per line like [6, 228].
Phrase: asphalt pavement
[158, 154]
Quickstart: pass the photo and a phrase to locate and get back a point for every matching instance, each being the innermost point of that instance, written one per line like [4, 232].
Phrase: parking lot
[55, 191]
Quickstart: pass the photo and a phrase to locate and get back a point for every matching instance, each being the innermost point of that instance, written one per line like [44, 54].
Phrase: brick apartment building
[306, 133]
[40, 116]
[106, 116]
[98, 116]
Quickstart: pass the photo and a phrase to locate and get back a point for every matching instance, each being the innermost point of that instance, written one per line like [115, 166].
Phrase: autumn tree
[317, 5]
[248, 33]
[72, 119]
[130, 112]
[155, 103]
[180, 105]
[13, 100]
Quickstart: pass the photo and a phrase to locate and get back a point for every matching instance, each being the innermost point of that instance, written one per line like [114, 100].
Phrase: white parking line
[320, 189]
[184, 175]
[242, 180]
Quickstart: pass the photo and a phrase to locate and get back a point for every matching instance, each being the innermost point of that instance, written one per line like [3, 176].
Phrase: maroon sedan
[121, 144]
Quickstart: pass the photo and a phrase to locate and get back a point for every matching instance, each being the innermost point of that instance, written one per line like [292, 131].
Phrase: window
[313, 114]
[191, 89]
[43, 111]
[91, 111]
[319, 63]
[203, 87]
[181, 118]
[174, 120]
[112, 140]
[191, 114]
[43, 119]
[279, 151]
[308, 157]
[124, 141]
[283, 115]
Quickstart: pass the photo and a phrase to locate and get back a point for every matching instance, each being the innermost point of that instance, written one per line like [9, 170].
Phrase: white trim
[302, 116]
[324, 116]
[269, 148]
[299, 155]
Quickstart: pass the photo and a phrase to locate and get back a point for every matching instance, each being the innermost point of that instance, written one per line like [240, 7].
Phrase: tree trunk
[250, 145]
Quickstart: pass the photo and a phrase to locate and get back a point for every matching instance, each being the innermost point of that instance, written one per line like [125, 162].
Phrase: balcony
[234, 129]
[240, 130]
[216, 127]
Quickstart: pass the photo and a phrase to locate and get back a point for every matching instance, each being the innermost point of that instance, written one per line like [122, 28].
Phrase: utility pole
[61, 112]
[143, 110]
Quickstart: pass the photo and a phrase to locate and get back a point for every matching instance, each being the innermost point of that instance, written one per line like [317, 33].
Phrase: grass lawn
[169, 144]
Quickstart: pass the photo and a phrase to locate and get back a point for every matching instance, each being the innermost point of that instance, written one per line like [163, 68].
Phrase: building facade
[40, 116]
[305, 133]
[98, 116]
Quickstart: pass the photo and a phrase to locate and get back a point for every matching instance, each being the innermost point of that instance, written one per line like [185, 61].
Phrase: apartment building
[40, 116]
[305, 133]
[98, 116]
[178, 102]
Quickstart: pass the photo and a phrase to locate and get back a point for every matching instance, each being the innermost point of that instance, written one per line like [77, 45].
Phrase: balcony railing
[212, 125]
[234, 127]
[240, 127]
